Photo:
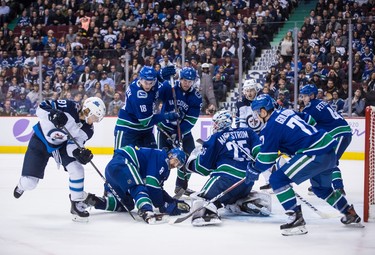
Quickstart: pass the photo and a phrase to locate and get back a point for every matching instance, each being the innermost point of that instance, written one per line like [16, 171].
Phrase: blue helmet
[263, 101]
[148, 73]
[309, 89]
[188, 73]
[179, 154]
[222, 120]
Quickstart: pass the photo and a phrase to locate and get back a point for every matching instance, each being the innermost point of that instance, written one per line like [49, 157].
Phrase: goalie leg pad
[256, 204]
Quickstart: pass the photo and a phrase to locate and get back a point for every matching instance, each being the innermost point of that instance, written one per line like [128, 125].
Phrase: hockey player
[138, 174]
[313, 157]
[225, 163]
[245, 116]
[50, 140]
[189, 103]
[322, 116]
[136, 119]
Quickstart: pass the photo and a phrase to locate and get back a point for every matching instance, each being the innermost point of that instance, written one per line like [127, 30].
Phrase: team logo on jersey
[254, 123]
[141, 94]
[56, 134]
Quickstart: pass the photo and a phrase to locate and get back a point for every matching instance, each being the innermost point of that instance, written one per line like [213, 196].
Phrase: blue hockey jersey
[137, 115]
[221, 155]
[189, 105]
[153, 167]
[286, 132]
[322, 116]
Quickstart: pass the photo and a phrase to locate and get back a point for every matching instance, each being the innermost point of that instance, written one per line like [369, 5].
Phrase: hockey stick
[101, 175]
[181, 219]
[179, 135]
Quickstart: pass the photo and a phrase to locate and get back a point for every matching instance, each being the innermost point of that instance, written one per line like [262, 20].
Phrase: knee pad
[28, 182]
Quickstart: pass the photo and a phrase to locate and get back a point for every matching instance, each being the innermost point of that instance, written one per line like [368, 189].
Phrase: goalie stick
[181, 219]
[101, 175]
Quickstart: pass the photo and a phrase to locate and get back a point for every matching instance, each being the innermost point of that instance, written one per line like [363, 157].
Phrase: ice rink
[40, 222]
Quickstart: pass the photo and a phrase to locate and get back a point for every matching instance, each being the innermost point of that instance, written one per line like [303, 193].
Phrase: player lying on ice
[221, 159]
[313, 158]
[51, 140]
[137, 175]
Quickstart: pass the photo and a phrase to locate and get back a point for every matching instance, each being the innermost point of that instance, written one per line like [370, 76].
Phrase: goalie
[225, 164]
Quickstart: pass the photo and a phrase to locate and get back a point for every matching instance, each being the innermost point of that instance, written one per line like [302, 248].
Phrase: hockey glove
[167, 72]
[58, 118]
[171, 116]
[83, 156]
[175, 208]
[252, 174]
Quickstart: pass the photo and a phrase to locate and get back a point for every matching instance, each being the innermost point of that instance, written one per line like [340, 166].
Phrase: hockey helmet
[148, 73]
[221, 120]
[250, 84]
[263, 101]
[309, 89]
[188, 73]
[94, 106]
[179, 154]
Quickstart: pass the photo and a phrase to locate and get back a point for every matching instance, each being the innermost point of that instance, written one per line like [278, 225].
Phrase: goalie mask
[222, 120]
[93, 109]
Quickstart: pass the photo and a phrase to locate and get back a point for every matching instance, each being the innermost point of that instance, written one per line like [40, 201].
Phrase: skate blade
[201, 222]
[301, 230]
[76, 218]
[355, 225]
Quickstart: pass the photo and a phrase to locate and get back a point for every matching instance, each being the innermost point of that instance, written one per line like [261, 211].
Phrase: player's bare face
[305, 99]
[174, 163]
[186, 84]
[147, 85]
[250, 94]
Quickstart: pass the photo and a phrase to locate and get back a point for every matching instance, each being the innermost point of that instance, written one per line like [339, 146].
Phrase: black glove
[167, 72]
[83, 156]
[175, 208]
[58, 118]
[171, 116]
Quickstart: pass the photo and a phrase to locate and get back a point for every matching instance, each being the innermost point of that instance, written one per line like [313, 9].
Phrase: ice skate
[78, 209]
[17, 193]
[208, 218]
[295, 225]
[351, 218]
[92, 200]
[152, 218]
[178, 191]
[310, 191]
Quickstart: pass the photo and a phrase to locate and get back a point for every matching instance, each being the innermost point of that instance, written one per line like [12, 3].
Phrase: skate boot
[152, 218]
[186, 192]
[78, 209]
[351, 218]
[17, 193]
[295, 225]
[310, 191]
[92, 200]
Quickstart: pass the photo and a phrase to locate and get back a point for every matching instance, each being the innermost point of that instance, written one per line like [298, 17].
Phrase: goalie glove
[176, 207]
[83, 156]
[58, 118]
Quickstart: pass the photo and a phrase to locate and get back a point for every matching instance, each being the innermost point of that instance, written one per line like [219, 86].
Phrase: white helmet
[221, 121]
[94, 106]
[250, 84]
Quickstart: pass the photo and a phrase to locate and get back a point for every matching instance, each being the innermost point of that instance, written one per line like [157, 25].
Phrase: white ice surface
[40, 222]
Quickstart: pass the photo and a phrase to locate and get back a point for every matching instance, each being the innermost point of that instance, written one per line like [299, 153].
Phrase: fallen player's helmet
[94, 106]
[309, 89]
[179, 154]
[221, 120]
